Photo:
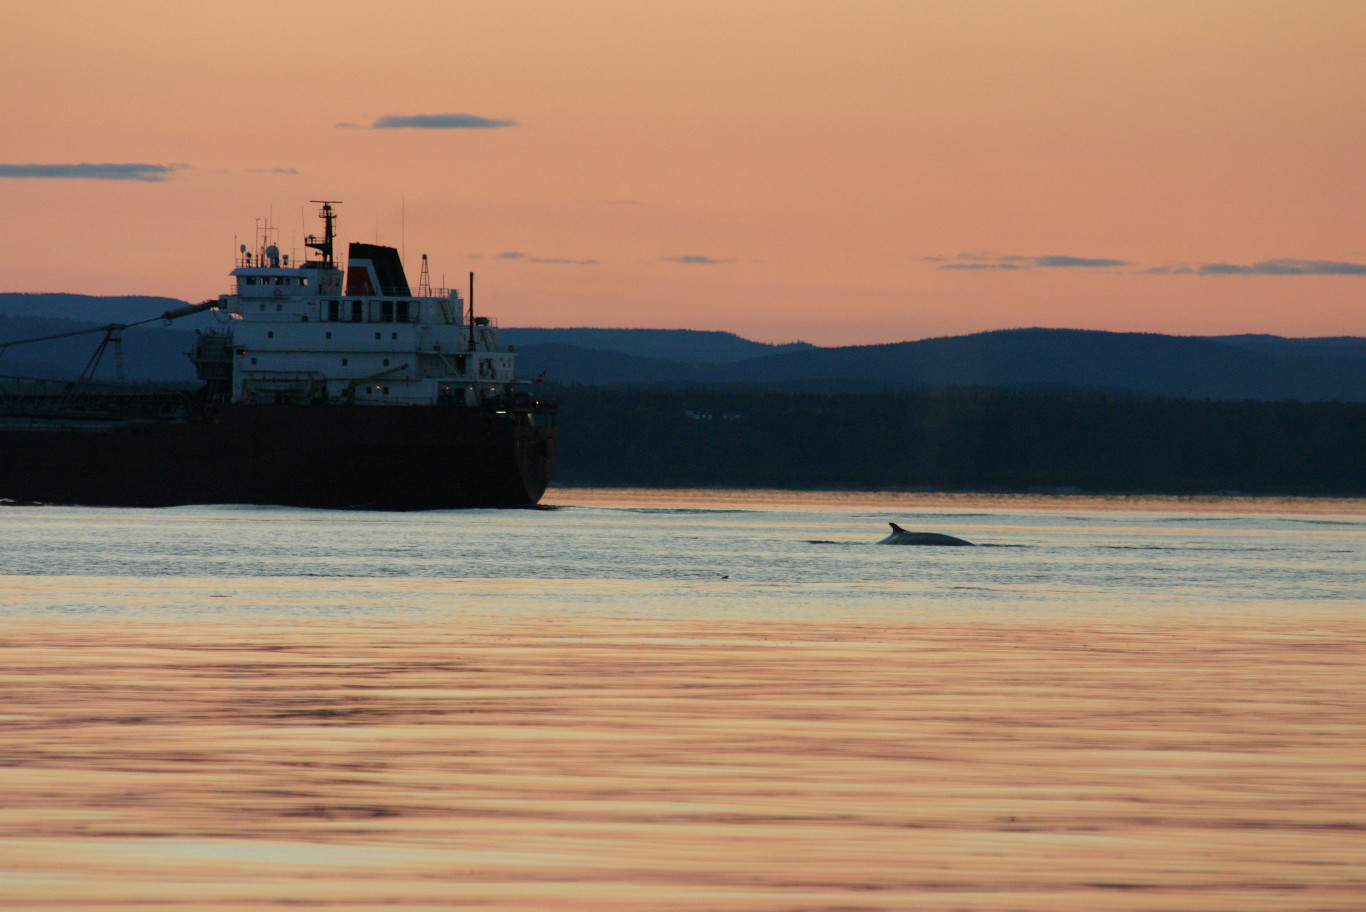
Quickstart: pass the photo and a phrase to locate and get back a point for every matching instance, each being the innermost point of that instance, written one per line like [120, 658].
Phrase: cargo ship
[320, 388]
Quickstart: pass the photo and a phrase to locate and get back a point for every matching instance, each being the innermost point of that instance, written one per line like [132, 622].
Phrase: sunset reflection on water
[577, 763]
[635, 704]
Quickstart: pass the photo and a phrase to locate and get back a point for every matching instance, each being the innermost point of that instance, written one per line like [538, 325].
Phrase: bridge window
[333, 312]
[357, 311]
[401, 309]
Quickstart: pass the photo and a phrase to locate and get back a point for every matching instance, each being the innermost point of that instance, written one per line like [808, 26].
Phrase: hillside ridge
[1246, 366]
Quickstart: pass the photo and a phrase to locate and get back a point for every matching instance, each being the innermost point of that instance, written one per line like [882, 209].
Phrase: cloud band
[555, 261]
[978, 262]
[90, 171]
[1282, 267]
[439, 122]
[697, 260]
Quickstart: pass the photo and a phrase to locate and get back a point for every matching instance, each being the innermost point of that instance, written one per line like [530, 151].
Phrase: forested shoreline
[958, 439]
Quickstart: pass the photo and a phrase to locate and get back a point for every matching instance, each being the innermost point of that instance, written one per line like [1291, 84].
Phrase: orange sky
[783, 170]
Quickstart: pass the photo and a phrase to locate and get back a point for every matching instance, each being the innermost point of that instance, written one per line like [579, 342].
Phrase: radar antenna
[324, 246]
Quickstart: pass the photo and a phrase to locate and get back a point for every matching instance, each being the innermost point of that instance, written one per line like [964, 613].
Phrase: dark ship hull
[327, 456]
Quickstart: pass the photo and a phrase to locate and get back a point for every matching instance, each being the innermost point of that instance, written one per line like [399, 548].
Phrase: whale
[900, 536]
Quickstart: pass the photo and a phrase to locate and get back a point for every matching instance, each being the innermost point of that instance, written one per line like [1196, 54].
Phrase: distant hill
[149, 354]
[1221, 367]
[599, 367]
[1263, 367]
[1340, 346]
[1133, 362]
[92, 309]
[679, 345]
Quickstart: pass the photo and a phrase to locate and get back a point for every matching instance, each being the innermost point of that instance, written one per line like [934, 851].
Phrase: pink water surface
[592, 763]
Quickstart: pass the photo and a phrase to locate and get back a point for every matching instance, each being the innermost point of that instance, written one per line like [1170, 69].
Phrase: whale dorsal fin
[895, 527]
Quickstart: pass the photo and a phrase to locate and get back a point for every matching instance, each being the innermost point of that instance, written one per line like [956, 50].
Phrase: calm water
[678, 555]
[674, 700]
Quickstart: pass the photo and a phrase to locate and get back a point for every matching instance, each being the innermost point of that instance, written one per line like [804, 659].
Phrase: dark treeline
[958, 439]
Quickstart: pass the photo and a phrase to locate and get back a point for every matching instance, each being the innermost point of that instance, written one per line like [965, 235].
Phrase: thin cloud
[439, 122]
[697, 260]
[273, 170]
[1281, 267]
[553, 261]
[1069, 262]
[975, 261]
[90, 171]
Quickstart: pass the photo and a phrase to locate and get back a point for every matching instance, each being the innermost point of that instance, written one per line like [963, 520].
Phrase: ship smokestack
[375, 270]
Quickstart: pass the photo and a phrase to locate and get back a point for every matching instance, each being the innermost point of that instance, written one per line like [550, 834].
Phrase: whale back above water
[900, 536]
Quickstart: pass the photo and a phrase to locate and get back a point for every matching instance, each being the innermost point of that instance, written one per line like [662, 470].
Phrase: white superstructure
[298, 336]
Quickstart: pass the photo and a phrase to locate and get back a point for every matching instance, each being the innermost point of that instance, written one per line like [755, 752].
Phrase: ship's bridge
[284, 281]
[267, 281]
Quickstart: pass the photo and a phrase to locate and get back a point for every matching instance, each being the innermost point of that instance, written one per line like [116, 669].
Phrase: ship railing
[35, 397]
[280, 381]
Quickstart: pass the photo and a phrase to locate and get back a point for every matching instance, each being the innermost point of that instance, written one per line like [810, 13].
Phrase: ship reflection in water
[207, 738]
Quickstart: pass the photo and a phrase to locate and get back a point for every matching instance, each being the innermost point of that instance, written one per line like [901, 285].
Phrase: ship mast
[471, 308]
[424, 281]
[324, 246]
